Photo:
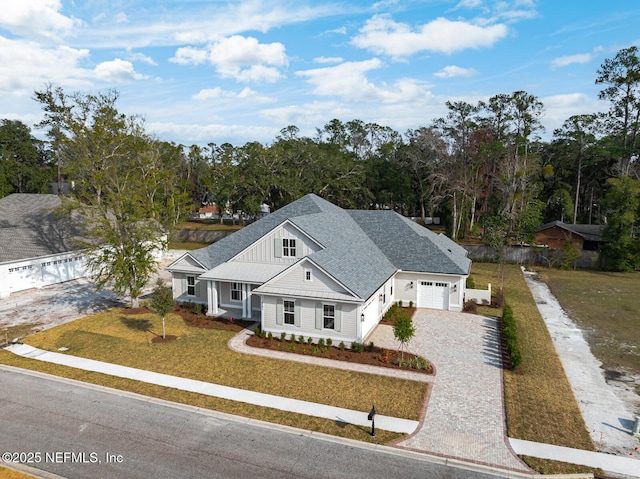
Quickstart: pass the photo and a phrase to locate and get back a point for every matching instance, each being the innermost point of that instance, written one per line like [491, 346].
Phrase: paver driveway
[465, 413]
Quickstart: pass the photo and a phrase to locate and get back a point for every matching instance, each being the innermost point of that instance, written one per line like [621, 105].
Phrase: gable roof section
[29, 227]
[588, 232]
[411, 247]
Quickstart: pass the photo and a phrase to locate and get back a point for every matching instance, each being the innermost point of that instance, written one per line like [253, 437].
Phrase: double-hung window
[289, 247]
[289, 312]
[191, 285]
[329, 316]
[236, 291]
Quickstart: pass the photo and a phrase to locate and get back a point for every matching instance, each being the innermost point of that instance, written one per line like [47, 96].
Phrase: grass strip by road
[206, 402]
[606, 305]
[539, 400]
[12, 474]
[203, 354]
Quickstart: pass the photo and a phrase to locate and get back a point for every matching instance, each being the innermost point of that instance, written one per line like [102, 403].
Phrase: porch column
[212, 298]
[248, 299]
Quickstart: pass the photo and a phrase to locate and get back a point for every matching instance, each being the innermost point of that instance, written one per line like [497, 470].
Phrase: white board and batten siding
[425, 290]
[305, 276]
[180, 284]
[306, 321]
[269, 249]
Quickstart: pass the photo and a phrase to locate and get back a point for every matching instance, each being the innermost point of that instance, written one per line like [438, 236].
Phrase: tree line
[482, 167]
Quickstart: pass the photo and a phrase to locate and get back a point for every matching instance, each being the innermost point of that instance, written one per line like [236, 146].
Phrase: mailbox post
[372, 418]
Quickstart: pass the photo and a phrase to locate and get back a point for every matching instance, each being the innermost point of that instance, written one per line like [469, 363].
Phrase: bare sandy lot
[57, 304]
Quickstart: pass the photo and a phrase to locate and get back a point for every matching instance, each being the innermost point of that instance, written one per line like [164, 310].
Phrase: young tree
[162, 302]
[403, 330]
[127, 191]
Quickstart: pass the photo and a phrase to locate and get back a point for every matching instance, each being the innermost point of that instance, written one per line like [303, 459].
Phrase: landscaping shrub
[257, 332]
[321, 342]
[370, 347]
[301, 339]
[329, 342]
[309, 340]
[292, 338]
[471, 284]
[470, 306]
[283, 336]
[410, 304]
[197, 308]
[357, 347]
[341, 345]
[511, 342]
[270, 336]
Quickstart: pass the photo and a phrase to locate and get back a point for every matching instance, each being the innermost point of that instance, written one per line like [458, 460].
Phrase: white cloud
[245, 94]
[328, 59]
[140, 57]
[569, 59]
[242, 58]
[36, 18]
[382, 35]
[452, 71]
[121, 18]
[186, 55]
[560, 107]
[195, 133]
[25, 66]
[117, 71]
[349, 82]
[346, 80]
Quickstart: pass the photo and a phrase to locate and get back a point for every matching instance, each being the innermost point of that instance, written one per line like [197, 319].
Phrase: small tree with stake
[162, 301]
[403, 330]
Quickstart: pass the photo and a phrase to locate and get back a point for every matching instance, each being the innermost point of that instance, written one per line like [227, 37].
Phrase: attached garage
[433, 294]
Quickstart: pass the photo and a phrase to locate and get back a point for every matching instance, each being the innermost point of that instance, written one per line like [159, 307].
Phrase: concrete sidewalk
[349, 416]
[606, 462]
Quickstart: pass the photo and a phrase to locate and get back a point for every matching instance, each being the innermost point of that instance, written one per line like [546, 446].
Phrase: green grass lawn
[606, 306]
[539, 401]
[207, 225]
[203, 354]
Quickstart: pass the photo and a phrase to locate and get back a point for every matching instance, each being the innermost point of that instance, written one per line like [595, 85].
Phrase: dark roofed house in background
[36, 247]
[556, 234]
[314, 269]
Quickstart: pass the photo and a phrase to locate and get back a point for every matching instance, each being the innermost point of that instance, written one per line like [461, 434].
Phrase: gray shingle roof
[588, 232]
[362, 249]
[30, 229]
[411, 247]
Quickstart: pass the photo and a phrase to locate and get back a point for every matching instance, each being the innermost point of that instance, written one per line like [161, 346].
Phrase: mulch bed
[201, 320]
[390, 317]
[377, 357]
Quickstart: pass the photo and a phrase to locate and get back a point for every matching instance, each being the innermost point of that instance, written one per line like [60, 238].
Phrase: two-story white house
[314, 269]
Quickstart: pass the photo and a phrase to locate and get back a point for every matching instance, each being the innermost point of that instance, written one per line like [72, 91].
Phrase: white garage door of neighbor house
[434, 295]
[62, 270]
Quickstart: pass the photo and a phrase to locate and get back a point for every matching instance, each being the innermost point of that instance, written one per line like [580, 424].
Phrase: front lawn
[203, 354]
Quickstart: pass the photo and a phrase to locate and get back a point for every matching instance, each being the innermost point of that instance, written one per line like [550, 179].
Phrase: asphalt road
[81, 431]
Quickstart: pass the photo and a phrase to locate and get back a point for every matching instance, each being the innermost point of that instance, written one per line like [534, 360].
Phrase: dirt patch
[387, 358]
[167, 339]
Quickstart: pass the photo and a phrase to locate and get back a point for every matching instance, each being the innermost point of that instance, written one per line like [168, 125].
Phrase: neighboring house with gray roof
[314, 269]
[556, 235]
[36, 247]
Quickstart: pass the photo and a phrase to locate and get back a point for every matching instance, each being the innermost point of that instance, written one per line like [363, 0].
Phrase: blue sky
[205, 71]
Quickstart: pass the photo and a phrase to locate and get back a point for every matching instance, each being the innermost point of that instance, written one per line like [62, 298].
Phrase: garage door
[434, 295]
[61, 270]
[22, 277]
